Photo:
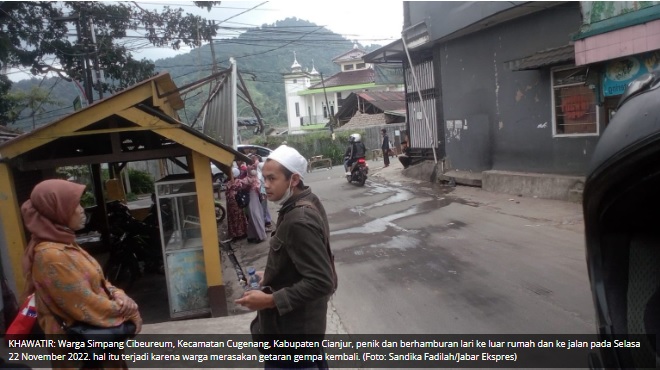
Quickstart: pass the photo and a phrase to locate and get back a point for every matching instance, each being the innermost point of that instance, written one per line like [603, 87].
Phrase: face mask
[287, 194]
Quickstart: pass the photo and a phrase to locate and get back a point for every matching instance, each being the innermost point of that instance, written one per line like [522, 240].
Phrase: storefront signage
[619, 73]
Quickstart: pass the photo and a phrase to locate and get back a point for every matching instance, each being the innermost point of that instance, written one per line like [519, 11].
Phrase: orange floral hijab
[46, 215]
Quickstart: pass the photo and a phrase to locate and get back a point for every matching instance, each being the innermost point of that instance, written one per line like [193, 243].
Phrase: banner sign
[389, 73]
[619, 73]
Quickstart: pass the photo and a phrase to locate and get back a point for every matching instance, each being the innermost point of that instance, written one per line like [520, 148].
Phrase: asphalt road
[413, 258]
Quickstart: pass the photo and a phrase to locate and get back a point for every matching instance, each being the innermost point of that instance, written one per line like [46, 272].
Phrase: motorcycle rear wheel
[362, 178]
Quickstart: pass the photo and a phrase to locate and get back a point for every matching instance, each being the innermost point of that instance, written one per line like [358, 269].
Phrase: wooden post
[209, 228]
[12, 224]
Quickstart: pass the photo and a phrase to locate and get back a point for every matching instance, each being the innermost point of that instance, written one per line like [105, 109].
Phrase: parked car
[262, 151]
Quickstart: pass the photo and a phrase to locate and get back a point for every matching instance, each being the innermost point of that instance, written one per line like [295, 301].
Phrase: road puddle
[401, 242]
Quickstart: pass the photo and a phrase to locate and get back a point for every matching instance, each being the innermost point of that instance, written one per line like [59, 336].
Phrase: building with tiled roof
[312, 98]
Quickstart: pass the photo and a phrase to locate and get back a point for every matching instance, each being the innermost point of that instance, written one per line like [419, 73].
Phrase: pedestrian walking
[256, 230]
[385, 147]
[299, 277]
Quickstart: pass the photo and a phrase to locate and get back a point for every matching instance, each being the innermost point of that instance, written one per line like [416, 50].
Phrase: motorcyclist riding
[355, 150]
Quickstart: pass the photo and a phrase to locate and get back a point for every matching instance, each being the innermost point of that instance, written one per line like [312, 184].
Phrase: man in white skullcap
[300, 276]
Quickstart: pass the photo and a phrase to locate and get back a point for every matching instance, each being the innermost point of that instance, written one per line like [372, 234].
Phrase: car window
[263, 152]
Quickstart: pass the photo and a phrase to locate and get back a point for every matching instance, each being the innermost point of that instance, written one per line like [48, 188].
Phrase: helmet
[621, 205]
[354, 138]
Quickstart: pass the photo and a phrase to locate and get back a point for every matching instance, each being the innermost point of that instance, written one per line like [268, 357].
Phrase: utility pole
[97, 64]
[215, 64]
[327, 106]
[86, 73]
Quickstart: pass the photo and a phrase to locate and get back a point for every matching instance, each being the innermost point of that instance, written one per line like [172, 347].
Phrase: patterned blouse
[70, 284]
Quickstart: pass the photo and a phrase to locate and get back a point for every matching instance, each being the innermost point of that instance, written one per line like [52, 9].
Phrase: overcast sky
[368, 21]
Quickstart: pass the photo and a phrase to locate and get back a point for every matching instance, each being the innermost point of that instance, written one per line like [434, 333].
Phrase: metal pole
[327, 106]
[86, 73]
[97, 67]
[234, 77]
[421, 102]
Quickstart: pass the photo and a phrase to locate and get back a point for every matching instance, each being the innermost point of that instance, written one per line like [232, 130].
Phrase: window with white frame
[297, 109]
[348, 67]
[574, 103]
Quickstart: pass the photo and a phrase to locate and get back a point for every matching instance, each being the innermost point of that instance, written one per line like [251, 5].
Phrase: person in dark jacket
[299, 277]
[385, 146]
[355, 150]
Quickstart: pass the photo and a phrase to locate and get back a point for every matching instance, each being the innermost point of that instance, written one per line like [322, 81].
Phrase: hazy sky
[368, 21]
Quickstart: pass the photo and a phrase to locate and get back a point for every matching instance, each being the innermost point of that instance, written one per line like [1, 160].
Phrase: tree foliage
[32, 33]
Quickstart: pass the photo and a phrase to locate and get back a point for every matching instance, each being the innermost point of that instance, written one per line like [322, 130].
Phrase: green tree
[34, 32]
[35, 100]
[7, 103]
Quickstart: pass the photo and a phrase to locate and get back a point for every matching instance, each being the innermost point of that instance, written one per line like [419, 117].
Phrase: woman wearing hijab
[68, 283]
[236, 221]
[256, 231]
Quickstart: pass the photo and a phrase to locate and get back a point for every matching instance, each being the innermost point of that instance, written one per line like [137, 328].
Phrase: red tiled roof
[360, 76]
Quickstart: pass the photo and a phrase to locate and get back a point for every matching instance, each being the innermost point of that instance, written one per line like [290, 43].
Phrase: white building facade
[311, 100]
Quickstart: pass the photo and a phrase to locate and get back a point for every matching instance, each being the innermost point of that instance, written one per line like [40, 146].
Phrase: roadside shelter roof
[136, 124]
[139, 123]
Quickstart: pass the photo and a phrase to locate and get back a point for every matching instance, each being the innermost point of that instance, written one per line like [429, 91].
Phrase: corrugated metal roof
[547, 58]
[7, 134]
[385, 100]
[360, 76]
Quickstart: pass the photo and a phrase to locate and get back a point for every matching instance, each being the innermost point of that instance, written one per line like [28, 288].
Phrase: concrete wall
[508, 113]
[454, 15]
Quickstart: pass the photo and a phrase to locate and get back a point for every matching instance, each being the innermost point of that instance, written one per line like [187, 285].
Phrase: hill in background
[262, 55]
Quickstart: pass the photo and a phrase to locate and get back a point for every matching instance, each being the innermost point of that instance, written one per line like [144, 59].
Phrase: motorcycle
[134, 247]
[359, 171]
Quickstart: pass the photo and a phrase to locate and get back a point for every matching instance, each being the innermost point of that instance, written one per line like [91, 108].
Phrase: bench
[376, 153]
[317, 162]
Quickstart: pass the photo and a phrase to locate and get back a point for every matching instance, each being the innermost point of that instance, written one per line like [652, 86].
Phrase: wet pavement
[432, 259]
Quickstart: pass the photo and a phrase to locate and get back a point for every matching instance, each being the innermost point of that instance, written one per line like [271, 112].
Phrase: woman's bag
[24, 322]
[81, 331]
[243, 198]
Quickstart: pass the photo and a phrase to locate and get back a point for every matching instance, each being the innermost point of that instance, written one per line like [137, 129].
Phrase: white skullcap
[290, 158]
[235, 172]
